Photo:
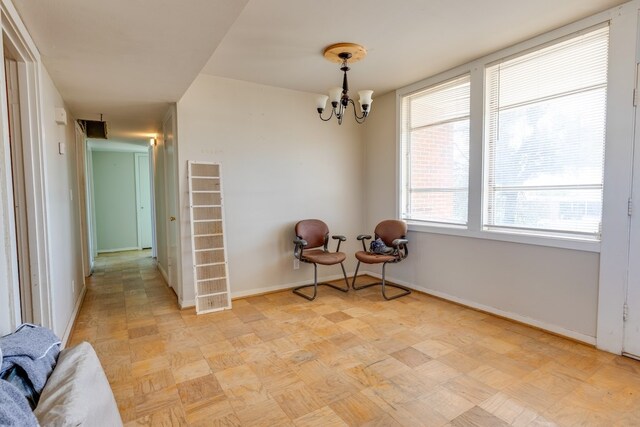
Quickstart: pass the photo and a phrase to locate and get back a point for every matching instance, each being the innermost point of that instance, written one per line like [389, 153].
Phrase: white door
[632, 306]
[143, 200]
[171, 197]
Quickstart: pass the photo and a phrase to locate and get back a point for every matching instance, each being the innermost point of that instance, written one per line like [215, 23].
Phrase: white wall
[281, 164]
[114, 186]
[63, 224]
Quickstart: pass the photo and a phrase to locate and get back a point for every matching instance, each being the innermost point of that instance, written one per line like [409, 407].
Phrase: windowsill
[526, 239]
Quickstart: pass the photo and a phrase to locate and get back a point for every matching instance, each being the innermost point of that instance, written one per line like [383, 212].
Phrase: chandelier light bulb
[321, 102]
[335, 93]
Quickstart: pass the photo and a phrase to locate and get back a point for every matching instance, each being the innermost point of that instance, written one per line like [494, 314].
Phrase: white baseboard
[74, 316]
[252, 292]
[506, 314]
[108, 251]
[270, 289]
[187, 303]
[164, 274]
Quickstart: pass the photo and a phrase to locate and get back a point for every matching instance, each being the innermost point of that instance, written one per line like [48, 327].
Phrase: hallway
[344, 359]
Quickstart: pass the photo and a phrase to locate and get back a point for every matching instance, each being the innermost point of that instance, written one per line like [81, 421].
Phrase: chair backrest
[314, 231]
[391, 229]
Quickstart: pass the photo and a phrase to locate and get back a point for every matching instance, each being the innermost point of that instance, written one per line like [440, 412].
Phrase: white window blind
[435, 150]
[546, 113]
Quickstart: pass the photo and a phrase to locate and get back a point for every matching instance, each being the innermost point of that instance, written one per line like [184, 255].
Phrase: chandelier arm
[328, 118]
[359, 119]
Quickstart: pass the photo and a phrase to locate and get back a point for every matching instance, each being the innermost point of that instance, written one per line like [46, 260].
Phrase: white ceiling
[128, 59]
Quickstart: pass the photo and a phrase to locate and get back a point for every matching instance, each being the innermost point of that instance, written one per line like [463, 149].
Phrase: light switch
[61, 147]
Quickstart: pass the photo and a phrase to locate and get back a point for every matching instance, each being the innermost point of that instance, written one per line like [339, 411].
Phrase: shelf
[210, 280]
[210, 267]
[211, 295]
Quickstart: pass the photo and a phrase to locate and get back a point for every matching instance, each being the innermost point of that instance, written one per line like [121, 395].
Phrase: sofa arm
[78, 392]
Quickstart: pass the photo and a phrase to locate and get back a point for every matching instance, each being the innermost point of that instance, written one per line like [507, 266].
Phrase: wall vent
[96, 129]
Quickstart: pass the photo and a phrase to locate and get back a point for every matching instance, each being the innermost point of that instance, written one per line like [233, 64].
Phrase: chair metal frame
[299, 254]
[400, 252]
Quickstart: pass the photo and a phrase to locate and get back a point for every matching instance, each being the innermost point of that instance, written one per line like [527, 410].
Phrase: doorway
[120, 181]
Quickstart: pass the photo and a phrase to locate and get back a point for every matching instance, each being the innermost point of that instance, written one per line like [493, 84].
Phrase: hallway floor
[344, 359]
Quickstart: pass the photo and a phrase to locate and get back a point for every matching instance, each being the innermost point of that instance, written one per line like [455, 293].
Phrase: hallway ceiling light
[339, 97]
[152, 142]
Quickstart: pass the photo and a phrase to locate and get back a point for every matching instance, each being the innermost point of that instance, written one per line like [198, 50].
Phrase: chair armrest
[401, 247]
[300, 244]
[398, 242]
[362, 238]
[340, 239]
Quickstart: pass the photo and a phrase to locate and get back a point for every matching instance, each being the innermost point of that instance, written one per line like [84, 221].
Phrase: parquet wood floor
[344, 359]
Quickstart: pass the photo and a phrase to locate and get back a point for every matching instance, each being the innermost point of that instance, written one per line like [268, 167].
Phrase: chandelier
[342, 53]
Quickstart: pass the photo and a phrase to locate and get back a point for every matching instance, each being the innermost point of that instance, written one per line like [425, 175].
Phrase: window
[435, 153]
[545, 134]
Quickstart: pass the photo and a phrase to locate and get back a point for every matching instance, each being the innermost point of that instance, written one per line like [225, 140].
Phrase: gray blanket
[14, 408]
[32, 348]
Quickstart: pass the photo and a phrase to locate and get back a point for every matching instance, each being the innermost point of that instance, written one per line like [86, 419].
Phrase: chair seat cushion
[371, 258]
[321, 257]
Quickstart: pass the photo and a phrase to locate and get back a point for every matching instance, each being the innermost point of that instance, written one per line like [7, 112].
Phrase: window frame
[402, 202]
[478, 148]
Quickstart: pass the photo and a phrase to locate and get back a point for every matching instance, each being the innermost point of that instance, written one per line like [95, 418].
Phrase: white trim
[189, 303]
[163, 273]
[83, 211]
[74, 316]
[556, 242]
[618, 172]
[93, 222]
[492, 310]
[121, 147]
[152, 199]
[107, 251]
[251, 292]
[260, 291]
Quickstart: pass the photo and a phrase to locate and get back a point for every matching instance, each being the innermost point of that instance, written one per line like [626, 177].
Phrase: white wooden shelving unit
[208, 243]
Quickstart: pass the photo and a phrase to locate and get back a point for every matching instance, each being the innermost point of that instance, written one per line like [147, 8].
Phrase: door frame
[17, 41]
[631, 309]
[19, 196]
[83, 195]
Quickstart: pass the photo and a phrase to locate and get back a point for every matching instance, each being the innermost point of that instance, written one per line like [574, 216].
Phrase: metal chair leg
[384, 284]
[407, 291]
[316, 284]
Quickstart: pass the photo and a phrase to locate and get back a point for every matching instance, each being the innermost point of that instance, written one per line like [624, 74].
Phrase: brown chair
[311, 235]
[392, 233]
